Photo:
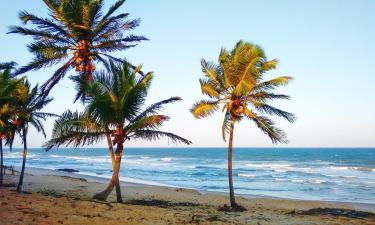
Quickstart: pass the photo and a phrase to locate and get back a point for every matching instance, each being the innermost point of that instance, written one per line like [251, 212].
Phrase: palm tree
[8, 85]
[82, 130]
[116, 100]
[28, 106]
[77, 34]
[237, 86]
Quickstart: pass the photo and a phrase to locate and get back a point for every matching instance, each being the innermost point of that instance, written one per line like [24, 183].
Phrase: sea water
[337, 174]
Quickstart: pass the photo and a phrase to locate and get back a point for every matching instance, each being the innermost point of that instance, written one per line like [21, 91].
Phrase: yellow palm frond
[269, 65]
[209, 89]
[204, 108]
[210, 70]
[273, 83]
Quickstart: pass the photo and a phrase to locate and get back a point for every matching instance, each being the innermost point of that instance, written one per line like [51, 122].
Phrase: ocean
[332, 174]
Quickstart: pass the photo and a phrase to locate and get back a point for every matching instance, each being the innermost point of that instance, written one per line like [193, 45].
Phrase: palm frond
[153, 135]
[8, 65]
[55, 78]
[43, 23]
[148, 122]
[210, 70]
[208, 88]
[265, 108]
[113, 8]
[204, 108]
[263, 96]
[38, 34]
[226, 125]
[155, 108]
[273, 83]
[269, 65]
[75, 129]
[267, 126]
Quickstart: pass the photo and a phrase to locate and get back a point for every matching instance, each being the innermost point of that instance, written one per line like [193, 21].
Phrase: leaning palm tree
[28, 105]
[237, 86]
[77, 34]
[79, 129]
[116, 100]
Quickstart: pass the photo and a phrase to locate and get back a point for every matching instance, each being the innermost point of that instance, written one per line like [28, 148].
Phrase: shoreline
[142, 183]
[56, 197]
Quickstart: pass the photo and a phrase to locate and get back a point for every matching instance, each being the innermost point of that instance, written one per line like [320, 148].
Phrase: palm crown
[114, 105]
[8, 88]
[29, 104]
[237, 85]
[77, 34]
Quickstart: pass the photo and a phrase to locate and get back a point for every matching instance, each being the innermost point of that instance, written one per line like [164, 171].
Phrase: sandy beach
[55, 197]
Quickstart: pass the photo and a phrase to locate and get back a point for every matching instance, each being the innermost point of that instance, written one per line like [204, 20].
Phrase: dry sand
[62, 198]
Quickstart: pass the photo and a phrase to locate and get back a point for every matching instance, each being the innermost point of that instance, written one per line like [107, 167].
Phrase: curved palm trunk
[1, 162]
[113, 160]
[230, 175]
[19, 187]
[115, 176]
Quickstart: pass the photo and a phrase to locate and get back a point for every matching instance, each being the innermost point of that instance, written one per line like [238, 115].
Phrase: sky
[327, 46]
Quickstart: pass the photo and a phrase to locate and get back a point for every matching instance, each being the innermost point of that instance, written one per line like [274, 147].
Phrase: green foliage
[76, 34]
[114, 102]
[28, 104]
[20, 105]
[75, 129]
[8, 88]
[237, 85]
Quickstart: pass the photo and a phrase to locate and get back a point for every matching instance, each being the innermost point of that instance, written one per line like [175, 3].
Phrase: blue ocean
[346, 175]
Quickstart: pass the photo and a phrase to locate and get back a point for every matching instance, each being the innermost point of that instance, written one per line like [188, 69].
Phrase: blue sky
[327, 46]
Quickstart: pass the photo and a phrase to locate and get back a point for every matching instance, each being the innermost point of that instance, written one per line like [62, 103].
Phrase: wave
[166, 159]
[126, 179]
[103, 159]
[16, 155]
[356, 168]
[339, 176]
[246, 175]
[208, 167]
[279, 168]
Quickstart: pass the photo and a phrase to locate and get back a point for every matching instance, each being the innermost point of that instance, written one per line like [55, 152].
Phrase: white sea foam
[279, 168]
[104, 159]
[166, 159]
[297, 181]
[356, 168]
[246, 175]
[126, 179]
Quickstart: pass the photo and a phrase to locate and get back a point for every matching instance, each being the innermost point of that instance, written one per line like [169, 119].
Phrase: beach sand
[65, 198]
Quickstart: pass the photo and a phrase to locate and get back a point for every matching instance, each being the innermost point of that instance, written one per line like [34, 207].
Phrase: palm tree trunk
[1, 162]
[115, 176]
[19, 187]
[113, 160]
[230, 175]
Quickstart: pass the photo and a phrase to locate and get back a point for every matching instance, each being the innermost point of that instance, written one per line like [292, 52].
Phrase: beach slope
[64, 199]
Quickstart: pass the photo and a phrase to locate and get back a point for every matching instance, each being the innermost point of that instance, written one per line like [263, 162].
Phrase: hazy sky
[327, 46]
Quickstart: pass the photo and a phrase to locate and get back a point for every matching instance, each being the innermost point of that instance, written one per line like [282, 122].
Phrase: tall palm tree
[77, 34]
[29, 104]
[237, 85]
[116, 100]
